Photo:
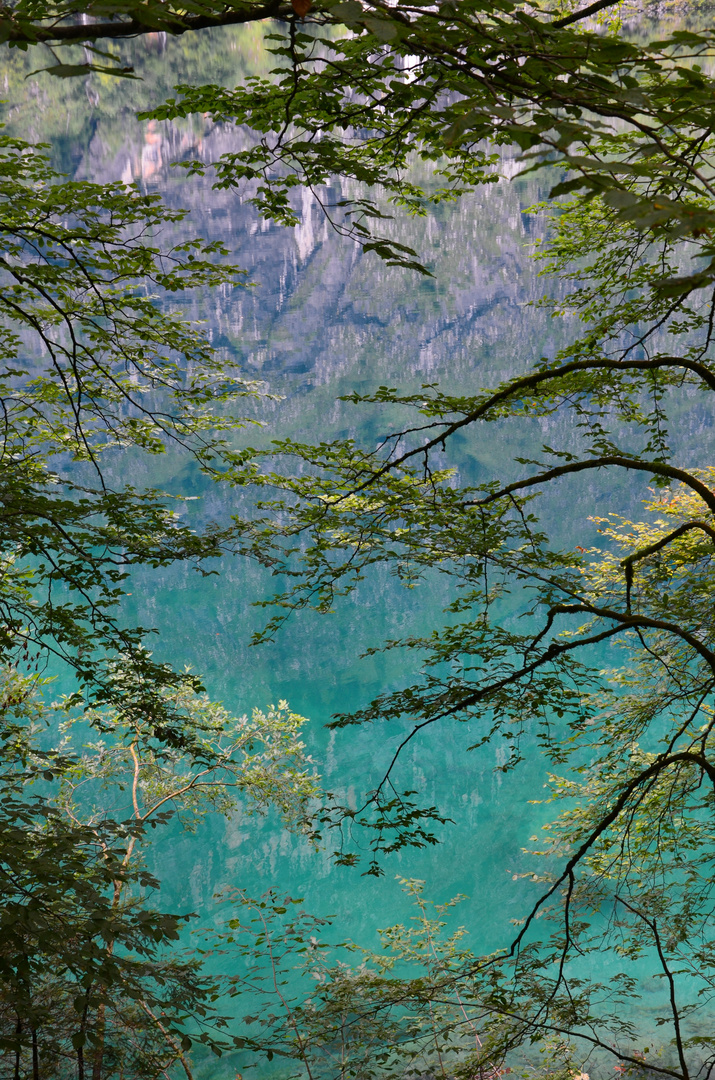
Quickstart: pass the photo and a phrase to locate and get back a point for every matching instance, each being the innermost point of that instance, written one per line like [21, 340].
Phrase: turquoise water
[323, 321]
[320, 321]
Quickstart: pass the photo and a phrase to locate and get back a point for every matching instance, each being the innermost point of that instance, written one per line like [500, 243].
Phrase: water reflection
[320, 321]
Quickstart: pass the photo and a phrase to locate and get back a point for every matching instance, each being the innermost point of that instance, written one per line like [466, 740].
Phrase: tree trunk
[18, 1049]
[83, 1029]
[98, 1056]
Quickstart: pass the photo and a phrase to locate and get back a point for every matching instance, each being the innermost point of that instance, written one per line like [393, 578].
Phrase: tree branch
[534, 382]
[174, 25]
[584, 13]
[658, 468]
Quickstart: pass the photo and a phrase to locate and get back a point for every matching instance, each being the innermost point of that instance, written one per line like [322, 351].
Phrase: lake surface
[323, 320]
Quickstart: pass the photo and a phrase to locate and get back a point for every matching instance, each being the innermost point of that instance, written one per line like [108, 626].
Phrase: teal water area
[322, 320]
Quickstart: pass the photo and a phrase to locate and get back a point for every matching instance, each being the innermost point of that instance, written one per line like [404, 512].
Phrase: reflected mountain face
[319, 310]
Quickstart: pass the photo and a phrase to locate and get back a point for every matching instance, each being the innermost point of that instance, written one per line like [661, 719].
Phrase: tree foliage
[625, 885]
[627, 132]
[96, 358]
[94, 976]
[100, 362]
[628, 869]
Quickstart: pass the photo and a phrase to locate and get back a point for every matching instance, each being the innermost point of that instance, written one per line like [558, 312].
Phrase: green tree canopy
[627, 131]
[628, 138]
[96, 357]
